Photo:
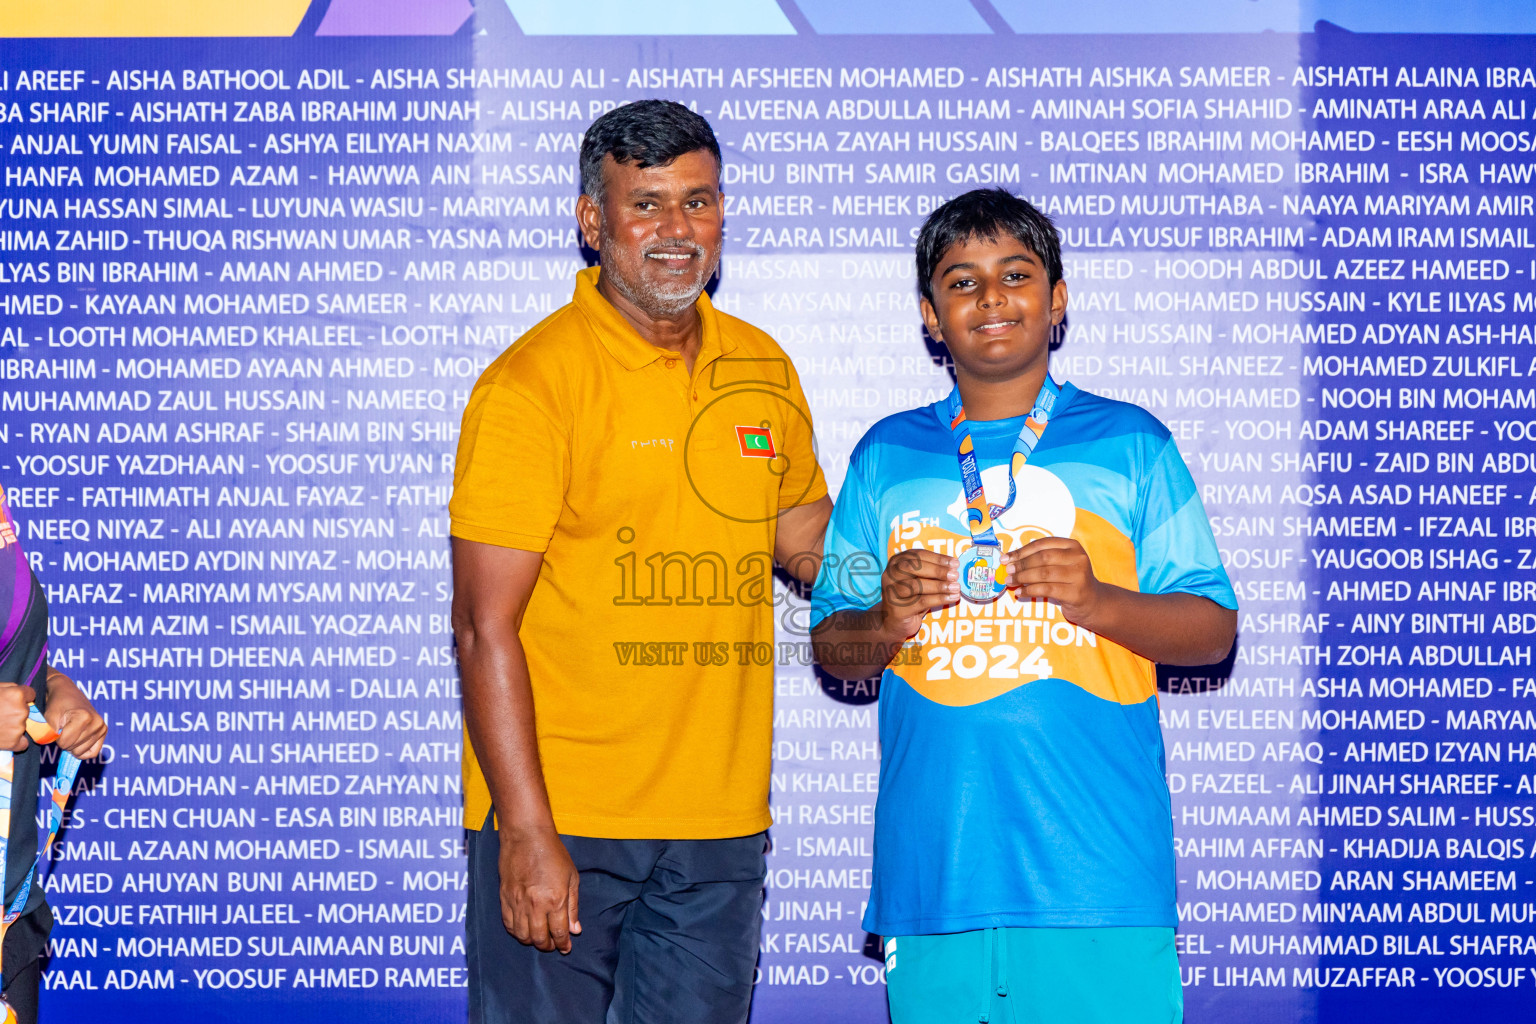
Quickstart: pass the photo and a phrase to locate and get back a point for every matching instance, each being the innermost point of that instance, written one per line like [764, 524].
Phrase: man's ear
[1058, 301]
[930, 319]
[590, 217]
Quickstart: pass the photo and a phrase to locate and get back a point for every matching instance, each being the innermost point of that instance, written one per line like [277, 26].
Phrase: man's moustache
[692, 248]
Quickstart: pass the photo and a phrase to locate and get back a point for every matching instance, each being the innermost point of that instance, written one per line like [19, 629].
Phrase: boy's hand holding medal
[915, 582]
[1057, 569]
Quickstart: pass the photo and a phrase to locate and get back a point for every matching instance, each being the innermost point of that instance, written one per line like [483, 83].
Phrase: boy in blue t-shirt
[1023, 835]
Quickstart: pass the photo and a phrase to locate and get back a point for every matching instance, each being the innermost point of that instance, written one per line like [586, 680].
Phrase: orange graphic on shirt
[970, 653]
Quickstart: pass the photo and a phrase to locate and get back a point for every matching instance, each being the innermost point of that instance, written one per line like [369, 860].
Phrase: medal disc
[981, 573]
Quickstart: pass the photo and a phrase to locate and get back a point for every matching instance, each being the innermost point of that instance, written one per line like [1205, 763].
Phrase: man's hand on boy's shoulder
[1059, 569]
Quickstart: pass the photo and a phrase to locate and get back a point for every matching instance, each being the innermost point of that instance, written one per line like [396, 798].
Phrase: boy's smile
[994, 307]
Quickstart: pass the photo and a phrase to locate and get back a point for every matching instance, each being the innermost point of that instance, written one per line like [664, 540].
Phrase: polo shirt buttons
[671, 363]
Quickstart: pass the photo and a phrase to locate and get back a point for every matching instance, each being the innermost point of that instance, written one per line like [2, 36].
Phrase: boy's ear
[1058, 301]
[931, 319]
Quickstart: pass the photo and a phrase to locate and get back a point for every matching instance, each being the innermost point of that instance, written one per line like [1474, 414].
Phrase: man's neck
[683, 333]
[999, 399]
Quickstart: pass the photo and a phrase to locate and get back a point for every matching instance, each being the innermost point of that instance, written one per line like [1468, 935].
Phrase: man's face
[994, 307]
[658, 230]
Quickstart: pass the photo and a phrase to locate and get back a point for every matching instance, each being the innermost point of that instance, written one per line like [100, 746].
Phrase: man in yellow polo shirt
[628, 473]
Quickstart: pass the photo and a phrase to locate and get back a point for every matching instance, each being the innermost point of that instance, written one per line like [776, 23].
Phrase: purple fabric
[15, 578]
[394, 17]
[41, 664]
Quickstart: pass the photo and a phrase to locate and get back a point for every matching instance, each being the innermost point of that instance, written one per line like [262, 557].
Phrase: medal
[981, 573]
[982, 576]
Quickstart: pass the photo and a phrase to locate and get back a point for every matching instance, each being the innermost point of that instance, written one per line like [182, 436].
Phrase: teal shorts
[1035, 976]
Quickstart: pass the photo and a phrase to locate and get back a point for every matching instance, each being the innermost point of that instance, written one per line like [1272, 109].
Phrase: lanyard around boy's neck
[980, 515]
[64, 779]
[982, 577]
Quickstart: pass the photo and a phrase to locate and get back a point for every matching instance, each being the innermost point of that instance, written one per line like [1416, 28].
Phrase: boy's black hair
[985, 213]
[649, 133]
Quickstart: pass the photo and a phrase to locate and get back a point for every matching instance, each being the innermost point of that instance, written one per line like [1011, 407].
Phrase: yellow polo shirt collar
[624, 343]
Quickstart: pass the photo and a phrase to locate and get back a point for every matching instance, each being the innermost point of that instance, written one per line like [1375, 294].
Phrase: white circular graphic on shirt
[1042, 508]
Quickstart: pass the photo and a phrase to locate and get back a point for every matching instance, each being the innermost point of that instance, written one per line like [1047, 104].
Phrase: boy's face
[994, 307]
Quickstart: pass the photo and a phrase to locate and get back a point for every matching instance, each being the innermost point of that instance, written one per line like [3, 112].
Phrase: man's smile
[674, 257]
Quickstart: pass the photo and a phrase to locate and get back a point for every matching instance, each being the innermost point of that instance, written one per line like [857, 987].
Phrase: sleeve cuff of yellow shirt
[500, 538]
[810, 497]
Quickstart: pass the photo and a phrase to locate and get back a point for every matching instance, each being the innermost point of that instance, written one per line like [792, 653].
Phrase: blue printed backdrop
[247, 285]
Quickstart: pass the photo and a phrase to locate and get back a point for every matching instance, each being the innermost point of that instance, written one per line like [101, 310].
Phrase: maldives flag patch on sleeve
[756, 442]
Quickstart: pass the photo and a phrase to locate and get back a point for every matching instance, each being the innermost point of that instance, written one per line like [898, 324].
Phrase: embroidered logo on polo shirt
[756, 442]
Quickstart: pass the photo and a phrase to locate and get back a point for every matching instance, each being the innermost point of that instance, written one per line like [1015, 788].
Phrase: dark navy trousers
[669, 935]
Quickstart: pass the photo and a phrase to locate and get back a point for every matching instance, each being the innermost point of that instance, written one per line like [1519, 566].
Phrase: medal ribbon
[63, 781]
[979, 514]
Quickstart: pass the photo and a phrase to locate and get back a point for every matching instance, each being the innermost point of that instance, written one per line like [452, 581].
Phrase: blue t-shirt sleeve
[854, 551]
[1175, 550]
